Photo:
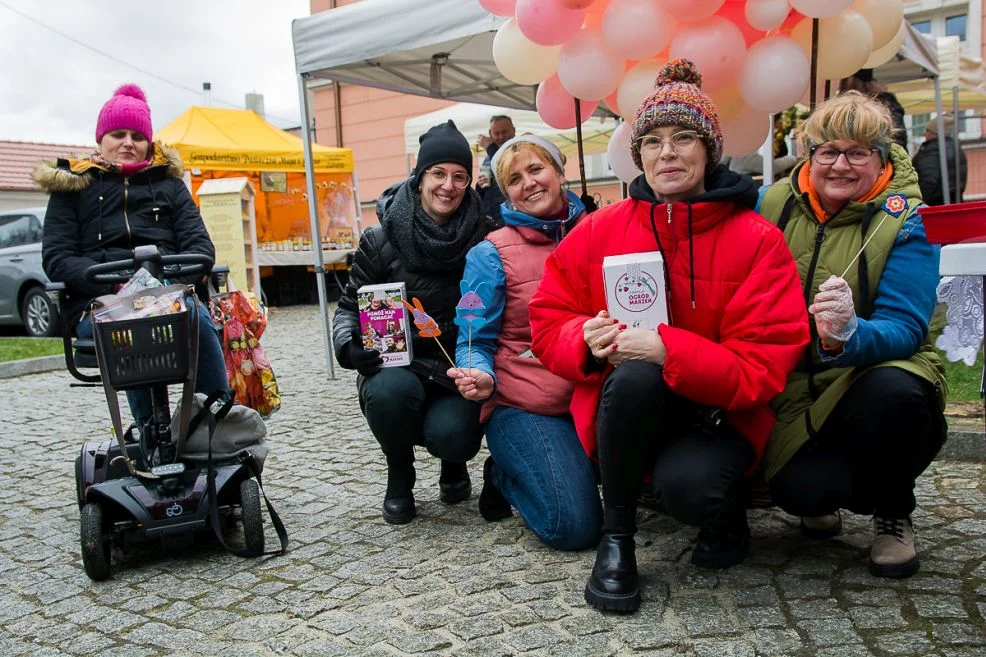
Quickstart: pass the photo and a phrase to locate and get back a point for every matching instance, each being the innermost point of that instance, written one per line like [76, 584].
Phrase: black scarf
[425, 245]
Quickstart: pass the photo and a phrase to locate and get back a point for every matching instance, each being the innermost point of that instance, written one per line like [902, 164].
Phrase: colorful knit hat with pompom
[126, 110]
[678, 100]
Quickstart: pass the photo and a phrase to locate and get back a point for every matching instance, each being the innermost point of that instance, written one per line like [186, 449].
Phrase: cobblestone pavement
[448, 583]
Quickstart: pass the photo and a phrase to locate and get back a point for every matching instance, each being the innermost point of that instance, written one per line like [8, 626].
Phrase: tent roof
[958, 70]
[236, 140]
[473, 119]
[917, 59]
[437, 48]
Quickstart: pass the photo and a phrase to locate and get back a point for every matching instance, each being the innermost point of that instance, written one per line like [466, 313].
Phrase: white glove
[835, 315]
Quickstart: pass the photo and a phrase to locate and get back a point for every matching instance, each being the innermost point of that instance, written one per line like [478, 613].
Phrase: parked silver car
[22, 282]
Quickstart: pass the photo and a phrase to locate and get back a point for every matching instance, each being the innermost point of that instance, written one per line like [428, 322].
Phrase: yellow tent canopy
[238, 140]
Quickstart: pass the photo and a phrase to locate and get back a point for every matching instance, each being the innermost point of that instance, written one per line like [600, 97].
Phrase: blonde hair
[851, 116]
[507, 157]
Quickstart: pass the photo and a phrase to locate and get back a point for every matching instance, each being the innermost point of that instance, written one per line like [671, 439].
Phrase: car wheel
[39, 314]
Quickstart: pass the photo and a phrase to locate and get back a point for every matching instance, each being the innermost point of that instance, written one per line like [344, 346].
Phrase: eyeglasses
[459, 180]
[827, 156]
[681, 142]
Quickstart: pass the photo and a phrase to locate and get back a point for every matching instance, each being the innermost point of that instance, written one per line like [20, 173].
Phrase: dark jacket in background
[890, 101]
[492, 196]
[927, 164]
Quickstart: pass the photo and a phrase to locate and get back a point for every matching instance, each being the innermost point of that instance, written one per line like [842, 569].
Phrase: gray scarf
[426, 246]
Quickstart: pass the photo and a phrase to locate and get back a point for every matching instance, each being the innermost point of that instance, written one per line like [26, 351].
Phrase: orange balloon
[577, 4]
[594, 16]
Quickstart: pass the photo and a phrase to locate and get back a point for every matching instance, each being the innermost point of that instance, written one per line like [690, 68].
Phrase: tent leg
[955, 144]
[767, 154]
[946, 193]
[578, 135]
[323, 307]
[813, 90]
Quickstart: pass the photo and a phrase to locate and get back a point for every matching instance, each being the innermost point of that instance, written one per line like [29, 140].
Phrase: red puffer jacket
[738, 319]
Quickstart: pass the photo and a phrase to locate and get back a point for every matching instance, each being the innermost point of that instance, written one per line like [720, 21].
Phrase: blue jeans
[542, 469]
[210, 376]
[403, 411]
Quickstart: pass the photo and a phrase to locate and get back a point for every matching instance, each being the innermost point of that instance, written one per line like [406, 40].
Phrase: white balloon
[766, 14]
[845, 42]
[775, 75]
[519, 59]
[618, 154]
[636, 86]
[637, 29]
[883, 55]
[884, 16]
[820, 8]
[745, 133]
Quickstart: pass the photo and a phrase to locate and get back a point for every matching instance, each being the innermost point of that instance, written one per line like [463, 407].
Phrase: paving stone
[447, 583]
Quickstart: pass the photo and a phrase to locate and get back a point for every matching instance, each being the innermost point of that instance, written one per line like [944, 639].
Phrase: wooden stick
[443, 350]
[470, 345]
[860, 252]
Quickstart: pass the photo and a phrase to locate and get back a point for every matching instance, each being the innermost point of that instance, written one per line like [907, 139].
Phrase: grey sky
[51, 89]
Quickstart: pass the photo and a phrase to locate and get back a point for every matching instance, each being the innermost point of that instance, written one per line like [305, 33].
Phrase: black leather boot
[725, 541]
[493, 505]
[453, 483]
[398, 503]
[613, 583]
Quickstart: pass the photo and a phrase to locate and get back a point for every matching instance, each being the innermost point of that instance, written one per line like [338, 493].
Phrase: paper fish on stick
[468, 310]
[427, 327]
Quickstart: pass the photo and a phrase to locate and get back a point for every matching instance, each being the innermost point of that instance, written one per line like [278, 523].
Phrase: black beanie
[442, 143]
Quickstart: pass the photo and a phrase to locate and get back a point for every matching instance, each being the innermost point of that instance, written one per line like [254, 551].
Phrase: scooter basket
[136, 353]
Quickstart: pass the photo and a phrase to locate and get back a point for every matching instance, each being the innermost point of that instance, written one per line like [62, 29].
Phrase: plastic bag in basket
[243, 319]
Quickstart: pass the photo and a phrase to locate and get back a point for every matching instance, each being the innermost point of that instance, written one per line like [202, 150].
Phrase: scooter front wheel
[95, 543]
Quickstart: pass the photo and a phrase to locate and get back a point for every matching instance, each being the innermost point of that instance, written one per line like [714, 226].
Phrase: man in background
[928, 166]
[501, 130]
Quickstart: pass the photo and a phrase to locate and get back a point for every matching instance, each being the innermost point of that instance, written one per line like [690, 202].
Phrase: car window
[19, 229]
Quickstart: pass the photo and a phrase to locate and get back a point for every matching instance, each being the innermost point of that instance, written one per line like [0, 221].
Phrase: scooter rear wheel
[95, 543]
[80, 486]
[251, 517]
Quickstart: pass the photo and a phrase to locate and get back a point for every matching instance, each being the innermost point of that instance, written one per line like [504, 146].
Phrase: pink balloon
[548, 22]
[499, 7]
[776, 74]
[577, 4]
[637, 29]
[586, 68]
[716, 46]
[744, 133]
[691, 10]
[556, 106]
[733, 12]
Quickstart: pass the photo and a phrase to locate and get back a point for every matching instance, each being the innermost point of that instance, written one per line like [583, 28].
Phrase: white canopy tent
[443, 49]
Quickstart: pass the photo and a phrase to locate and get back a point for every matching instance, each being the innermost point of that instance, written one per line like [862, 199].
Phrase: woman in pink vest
[536, 463]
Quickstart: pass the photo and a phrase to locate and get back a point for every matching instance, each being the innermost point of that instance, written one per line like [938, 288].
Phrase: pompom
[131, 90]
[679, 70]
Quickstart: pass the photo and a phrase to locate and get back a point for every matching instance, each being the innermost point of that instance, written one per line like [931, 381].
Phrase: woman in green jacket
[861, 417]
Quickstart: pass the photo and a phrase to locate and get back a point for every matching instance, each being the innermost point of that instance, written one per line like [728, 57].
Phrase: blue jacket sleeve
[483, 265]
[904, 303]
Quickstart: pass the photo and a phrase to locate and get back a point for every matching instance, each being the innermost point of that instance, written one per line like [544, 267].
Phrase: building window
[922, 26]
[955, 26]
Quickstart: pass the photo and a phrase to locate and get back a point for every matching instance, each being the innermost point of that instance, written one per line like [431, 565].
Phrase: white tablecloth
[283, 258]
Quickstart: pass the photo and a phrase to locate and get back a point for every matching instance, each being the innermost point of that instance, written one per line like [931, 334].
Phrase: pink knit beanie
[126, 110]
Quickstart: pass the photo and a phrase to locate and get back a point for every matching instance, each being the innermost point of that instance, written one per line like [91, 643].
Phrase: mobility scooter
[140, 485]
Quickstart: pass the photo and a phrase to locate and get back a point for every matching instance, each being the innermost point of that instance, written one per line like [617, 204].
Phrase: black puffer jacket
[377, 261]
[928, 166]
[95, 215]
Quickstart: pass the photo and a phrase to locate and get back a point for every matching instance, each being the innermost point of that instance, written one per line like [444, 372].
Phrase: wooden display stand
[227, 207]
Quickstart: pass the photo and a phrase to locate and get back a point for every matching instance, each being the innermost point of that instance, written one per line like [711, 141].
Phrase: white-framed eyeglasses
[681, 142]
[460, 180]
[828, 155]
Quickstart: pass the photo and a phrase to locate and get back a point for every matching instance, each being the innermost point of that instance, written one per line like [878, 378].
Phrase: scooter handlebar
[175, 266]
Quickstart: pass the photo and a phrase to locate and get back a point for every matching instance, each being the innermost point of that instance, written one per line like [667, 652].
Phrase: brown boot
[893, 553]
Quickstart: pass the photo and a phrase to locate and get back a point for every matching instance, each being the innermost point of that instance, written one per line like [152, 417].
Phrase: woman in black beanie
[435, 217]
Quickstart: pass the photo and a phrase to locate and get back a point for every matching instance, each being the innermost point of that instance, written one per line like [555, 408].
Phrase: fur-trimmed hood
[69, 175]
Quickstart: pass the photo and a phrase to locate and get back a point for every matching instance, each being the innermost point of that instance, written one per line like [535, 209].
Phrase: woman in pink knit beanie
[128, 193]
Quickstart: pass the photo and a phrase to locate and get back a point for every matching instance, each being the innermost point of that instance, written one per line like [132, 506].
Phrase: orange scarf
[805, 184]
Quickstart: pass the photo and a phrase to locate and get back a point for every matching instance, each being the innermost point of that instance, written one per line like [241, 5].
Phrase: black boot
[453, 483]
[612, 586]
[493, 505]
[725, 541]
[613, 583]
[398, 503]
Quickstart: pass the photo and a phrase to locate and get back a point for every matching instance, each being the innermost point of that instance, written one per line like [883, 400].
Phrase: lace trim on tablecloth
[963, 332]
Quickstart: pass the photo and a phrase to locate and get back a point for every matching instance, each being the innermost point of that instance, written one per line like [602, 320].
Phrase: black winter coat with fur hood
[95, 215]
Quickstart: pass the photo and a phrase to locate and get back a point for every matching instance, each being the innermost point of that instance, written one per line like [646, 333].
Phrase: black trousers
[866, 457]
[644, 428]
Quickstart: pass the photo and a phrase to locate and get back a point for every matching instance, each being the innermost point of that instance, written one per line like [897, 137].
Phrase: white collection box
[635, 290]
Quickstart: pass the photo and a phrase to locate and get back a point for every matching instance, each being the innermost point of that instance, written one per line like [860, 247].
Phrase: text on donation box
[223, 216]
[635, 292]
